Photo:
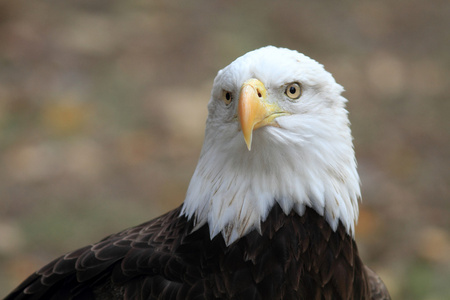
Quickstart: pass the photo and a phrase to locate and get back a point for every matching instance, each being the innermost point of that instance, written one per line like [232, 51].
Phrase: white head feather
[307, 161]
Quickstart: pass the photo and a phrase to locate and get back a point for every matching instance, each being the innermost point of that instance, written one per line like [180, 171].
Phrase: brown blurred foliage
[103, 104]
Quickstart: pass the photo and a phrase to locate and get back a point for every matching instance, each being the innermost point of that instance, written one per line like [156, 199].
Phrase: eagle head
[277, 132]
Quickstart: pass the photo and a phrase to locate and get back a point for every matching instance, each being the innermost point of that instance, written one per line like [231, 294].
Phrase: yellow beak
[254, 111]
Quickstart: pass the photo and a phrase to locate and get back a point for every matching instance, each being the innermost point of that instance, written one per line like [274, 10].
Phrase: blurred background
[103, 106]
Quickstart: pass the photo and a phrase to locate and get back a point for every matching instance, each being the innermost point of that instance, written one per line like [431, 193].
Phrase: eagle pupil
[228, 96]
[292, 90]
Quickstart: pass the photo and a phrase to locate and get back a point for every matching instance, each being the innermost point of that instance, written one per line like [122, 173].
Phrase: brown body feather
[296, 257]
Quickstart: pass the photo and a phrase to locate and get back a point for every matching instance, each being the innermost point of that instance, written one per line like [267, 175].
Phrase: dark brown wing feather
[378, 290]
[296, 257]
[99, 270]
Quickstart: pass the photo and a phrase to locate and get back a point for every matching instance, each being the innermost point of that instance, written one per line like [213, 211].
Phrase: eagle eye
[293, 90]
[227, 97]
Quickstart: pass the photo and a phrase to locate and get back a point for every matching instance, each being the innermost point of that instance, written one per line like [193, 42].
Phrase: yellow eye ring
[293, 90]
[227, 97]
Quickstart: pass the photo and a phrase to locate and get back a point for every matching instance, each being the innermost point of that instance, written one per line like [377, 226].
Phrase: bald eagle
[270, 211]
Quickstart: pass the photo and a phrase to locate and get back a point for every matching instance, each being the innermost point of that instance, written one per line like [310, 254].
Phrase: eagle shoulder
[98, 271]
[378, 290]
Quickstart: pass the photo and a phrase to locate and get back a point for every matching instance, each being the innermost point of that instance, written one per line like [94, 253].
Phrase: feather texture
[296, 257]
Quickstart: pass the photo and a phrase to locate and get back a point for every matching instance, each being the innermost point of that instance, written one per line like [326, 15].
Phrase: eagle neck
[233, 194]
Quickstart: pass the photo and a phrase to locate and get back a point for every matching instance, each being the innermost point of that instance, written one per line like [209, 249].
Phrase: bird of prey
[270, 211]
